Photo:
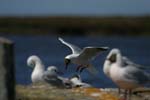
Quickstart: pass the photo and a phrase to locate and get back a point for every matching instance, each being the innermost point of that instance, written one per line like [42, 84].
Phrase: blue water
[52, 52]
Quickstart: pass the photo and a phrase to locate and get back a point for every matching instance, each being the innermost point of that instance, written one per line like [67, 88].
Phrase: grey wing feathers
[53, 80]
[90, 52]
[137, 75]
[48, 76]
[127, 61]
[74, 48]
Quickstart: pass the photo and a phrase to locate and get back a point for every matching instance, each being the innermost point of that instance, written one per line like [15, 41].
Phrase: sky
[74, 7]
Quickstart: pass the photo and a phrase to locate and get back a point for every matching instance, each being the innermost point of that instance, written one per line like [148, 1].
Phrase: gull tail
[92, 70]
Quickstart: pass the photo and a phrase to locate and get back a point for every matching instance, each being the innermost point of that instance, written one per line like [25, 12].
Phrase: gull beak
[67, 62]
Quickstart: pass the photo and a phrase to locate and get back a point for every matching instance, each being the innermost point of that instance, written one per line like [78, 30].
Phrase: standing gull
[82, 57]
[124, 73]
[36, 63]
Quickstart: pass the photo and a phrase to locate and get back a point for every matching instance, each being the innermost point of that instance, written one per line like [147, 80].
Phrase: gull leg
[82, 68]
[78, 68]
[119, 90]
[130, 94]
[125, 94]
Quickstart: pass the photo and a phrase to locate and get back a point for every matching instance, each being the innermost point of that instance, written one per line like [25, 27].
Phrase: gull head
[76, 80]
[33, 60]
[52, 69]
[75, 76]
[67, 62]
[113, 55]
[112, 58]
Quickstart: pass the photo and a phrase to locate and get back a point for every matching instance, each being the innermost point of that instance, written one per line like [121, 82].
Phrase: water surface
[52, 52]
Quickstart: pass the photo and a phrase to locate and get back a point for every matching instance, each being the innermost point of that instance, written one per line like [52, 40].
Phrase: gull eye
[55, 70]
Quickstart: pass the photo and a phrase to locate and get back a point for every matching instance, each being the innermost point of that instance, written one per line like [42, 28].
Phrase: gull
[82, 57]
[126, 61]
[51, 76]
[124, 73]
[77, 82]
[36, 63]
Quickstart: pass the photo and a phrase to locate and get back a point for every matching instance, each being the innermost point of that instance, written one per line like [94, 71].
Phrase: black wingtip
[103, 48]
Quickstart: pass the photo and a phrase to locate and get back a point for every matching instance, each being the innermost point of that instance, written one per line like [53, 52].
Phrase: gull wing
[48, 76]
[52, 79]
[92, 70]
[127, 61]
[91, 52]
[137, 75]
[75, 49]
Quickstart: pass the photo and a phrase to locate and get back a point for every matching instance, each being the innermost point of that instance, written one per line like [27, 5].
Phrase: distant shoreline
[102, 26]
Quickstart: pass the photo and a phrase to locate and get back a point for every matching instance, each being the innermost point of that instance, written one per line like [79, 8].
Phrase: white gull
[82, 57]
[124, 73]
[36, 63]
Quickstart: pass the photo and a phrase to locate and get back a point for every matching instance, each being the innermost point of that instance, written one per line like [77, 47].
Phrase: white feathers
[50, 75]
[38, 68]
[83, 57]
[124, 73]
[76, 81]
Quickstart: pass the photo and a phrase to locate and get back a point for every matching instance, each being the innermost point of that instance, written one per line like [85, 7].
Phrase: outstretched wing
[74, 48]
[89, 53]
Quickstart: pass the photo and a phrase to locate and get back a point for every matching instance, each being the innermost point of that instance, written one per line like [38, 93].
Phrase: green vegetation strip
[76, 25]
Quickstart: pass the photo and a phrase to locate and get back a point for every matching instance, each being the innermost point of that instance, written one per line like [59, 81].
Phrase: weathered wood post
[7, 75]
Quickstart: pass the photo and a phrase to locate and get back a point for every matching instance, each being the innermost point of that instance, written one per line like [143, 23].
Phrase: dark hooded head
[112, 58]
[115, 56]
[67, 62]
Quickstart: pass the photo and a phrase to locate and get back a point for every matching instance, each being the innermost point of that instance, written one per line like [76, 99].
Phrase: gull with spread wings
[82, 57]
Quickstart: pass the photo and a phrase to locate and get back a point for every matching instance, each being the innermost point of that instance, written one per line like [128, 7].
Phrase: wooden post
[7, 75]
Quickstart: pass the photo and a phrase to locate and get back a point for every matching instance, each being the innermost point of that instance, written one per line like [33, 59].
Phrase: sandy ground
[47, 92]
